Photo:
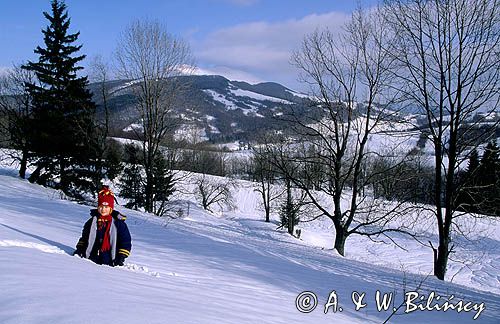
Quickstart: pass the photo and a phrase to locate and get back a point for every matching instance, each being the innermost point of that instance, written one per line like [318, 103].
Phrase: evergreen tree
[473, 162]
[113, 160]
[132, 186]
[489, 180]
[62, 124]
[163, 185]
[469, 192]
[489, 164]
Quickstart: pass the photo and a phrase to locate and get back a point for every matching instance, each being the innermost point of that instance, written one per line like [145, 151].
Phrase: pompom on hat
[106, 197]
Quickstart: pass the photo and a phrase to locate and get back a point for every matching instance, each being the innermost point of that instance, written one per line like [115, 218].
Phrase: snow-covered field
[229, 267]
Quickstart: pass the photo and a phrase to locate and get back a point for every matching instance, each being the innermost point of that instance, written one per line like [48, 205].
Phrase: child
[105, 236]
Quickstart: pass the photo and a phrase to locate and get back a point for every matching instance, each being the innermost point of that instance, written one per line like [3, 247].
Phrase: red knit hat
[106, 197]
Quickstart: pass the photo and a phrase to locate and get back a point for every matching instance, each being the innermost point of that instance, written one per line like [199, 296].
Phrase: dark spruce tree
[473, 162]
[480, 185]
[489, 180]
[469, 192]
[131, 184]
[113, 157]
[131, 187]
[163, 185]
[62, 125]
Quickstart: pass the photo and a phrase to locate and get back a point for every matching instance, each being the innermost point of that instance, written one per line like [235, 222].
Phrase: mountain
[212, 106]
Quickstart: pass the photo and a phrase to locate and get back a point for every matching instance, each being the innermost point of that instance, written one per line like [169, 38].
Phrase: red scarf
[105, 221]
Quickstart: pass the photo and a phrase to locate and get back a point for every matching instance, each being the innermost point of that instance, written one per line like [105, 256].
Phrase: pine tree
[113, 160]
[489, 163]
[62, 115]
[489, 180]
[163, 185]
[469, 194]
[473, 163]
[133, 183]
[132, 186]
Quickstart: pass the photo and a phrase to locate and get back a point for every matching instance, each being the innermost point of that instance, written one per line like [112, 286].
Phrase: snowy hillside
[214, 105]
[225, 268]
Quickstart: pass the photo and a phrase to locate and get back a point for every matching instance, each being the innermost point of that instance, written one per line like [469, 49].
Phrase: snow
[258, 96]
[31, 245]
[213, 129]
[116, 90]
[191, 134]
[234, 93]
[226, 101]
[134, 127]
[298, 94]
[127, 141]
[491, 115]
[222, 99]
[232, 146]
[227, 267]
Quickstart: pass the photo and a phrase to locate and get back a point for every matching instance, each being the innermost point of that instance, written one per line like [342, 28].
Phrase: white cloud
[228, 73]
[263, 48]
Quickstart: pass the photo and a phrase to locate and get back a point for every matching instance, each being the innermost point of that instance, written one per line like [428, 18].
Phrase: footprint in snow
[140, 269]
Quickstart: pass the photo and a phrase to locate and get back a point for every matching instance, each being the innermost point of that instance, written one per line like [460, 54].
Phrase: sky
[250, 40]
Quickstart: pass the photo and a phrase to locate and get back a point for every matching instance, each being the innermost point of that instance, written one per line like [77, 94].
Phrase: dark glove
[120, 260]
[81, 254]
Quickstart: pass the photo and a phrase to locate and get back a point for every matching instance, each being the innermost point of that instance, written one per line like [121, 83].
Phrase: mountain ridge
[216, 107]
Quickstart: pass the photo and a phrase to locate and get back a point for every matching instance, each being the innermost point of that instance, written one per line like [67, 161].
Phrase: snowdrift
[228, 268]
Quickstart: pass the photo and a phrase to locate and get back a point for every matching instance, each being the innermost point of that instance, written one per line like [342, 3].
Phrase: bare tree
[100, 75]
[211, 191]
[283, 168]
[292, 206]
[349, 75]
[16, 111]
[266, 174]
[152, 59]
[448, 59]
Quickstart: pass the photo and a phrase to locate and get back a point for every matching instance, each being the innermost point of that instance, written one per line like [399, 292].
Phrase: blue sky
[241, 39]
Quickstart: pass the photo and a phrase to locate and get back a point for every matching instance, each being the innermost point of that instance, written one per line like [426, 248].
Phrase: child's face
[104, 210]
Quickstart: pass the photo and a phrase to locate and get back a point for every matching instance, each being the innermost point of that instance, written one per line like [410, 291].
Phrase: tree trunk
[289, 205]
[148, 192]
[24, 163]
[36, 174]
[62, 171]
[340, 232]
[443, 250]
[340, 238]
[267, 203]
[441, 259]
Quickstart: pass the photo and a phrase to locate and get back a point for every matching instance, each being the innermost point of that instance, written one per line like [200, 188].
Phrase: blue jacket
[89, 245]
